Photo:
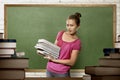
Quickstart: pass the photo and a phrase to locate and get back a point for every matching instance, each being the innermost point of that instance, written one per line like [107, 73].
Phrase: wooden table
[54, 78]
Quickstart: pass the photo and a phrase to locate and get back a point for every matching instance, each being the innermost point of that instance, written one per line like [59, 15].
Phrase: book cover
[111, 62]
[13, 74]
[93, 77]
[7, 43]
[11, 63]
[100, 70]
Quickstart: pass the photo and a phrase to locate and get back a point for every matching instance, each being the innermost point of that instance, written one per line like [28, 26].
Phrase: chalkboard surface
[28, 23]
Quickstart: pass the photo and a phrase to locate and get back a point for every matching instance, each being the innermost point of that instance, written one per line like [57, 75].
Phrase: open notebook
[45, 47]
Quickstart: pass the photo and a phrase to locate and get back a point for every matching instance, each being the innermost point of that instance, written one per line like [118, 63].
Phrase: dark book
[112, 62]
[99, 70]
[6, 74]
[8, 43]
[18, 63]
[105, 77]
[108, 51]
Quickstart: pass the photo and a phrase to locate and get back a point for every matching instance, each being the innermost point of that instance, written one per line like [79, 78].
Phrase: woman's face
[71, 26]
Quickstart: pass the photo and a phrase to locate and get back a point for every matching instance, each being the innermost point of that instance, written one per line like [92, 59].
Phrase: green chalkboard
[28, 23]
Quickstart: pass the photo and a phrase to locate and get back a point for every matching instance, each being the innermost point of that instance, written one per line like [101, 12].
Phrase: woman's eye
[71, 25]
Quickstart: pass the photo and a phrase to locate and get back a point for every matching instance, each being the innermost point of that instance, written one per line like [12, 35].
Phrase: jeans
[52, 74]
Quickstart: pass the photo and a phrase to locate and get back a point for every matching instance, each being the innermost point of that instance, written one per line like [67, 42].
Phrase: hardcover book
[93, 77]
[7, 43]
[110, 62]
[5, 51]
[12, 74]
[11, 63]
[7, 47]
[102, 71]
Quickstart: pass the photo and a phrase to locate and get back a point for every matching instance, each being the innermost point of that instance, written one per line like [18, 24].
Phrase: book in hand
[46, 48]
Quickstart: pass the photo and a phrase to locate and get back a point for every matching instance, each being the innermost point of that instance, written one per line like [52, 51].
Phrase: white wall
[2, 2]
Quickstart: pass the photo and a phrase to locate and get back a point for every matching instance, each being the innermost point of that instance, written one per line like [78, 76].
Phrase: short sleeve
[77, 45]
[59, 35]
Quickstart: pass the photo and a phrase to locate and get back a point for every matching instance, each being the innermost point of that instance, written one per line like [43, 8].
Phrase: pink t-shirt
[65, 53]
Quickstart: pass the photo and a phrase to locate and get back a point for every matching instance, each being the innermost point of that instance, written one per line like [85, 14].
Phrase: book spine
[7, 51]
[98, 70]
[93, 77]
[14, 63]
[13, 74]
[109, 62]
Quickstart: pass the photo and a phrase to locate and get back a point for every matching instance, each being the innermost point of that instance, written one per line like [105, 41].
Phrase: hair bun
[78, 14]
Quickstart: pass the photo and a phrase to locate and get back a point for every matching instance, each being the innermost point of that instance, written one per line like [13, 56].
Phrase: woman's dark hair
[76, 17]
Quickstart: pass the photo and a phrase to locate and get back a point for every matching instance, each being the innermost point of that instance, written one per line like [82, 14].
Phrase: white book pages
[47, 42]
[42, 52]
[117, 45]
[47, 48]
[7, 44]
[7, 51]
[5, 55]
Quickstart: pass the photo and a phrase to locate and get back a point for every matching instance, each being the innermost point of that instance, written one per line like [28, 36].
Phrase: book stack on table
[108, 68]
[13, 68]
[7, 47]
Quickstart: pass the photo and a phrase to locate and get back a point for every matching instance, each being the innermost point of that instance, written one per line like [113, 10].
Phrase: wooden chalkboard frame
[59, 5]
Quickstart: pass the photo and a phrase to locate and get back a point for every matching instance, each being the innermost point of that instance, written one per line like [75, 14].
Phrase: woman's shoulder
[59, 35]
[62, 31]
[78, 41]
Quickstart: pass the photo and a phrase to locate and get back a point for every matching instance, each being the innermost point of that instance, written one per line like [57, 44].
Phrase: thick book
[45, 47]
[93, 77]
[12, 74]
[115, 55]
[108, 51]
[111, 62]
[6, 52]
[8, 43]
[99, 70]
[14, 63]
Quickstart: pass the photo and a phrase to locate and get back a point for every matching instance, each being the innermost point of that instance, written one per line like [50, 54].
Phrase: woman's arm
[55, 42]
[69, 62]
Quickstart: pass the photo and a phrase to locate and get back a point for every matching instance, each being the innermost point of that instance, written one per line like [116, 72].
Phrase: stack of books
[108, 68]
[45, 48]
[7, 47]
[13, 68]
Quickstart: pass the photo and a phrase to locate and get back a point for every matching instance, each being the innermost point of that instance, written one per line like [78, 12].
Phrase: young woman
[70, 45]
